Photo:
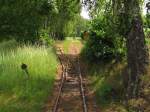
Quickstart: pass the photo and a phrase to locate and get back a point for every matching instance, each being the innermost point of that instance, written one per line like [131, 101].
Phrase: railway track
[71, 80]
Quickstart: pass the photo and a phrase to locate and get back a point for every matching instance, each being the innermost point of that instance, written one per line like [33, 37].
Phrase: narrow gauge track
[64, 77]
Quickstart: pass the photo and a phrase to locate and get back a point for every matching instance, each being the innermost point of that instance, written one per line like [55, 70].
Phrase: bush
[103, 44]
[45, 38]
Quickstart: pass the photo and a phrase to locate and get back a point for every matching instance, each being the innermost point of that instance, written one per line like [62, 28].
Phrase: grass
[67, 43]
[107, 83]
[17, 92]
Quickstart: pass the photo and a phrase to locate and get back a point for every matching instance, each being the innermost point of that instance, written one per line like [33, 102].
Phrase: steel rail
[63, 78]
[82, 88]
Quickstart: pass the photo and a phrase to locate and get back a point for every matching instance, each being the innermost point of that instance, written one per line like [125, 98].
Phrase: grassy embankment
[107, 82]
[17, 92]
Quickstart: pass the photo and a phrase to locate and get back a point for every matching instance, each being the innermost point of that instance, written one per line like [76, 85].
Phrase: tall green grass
[17, 92]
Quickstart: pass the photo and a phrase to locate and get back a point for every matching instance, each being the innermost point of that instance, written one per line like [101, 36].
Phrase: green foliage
[146, 20]
[104, 92]
[17, 92]
[147, 40]
[147, 33]
[107, 81]
[23, 20]
[76, 26]
[45, 38]
[103, 43]
[7, 46]
[67, 10]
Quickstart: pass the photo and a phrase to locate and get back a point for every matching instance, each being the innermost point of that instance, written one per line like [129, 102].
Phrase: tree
[128, 14]
[67, 10]
[137, 53]
[23, 19]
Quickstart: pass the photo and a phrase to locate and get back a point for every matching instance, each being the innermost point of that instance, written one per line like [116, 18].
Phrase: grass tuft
[17, 92]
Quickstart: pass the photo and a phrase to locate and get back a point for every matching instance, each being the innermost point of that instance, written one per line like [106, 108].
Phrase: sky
[85, 15]
[144, 7]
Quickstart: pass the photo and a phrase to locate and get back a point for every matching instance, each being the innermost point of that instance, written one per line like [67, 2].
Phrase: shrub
[102, 44]
[45, 38]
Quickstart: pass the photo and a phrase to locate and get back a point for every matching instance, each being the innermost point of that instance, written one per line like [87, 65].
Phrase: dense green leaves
[103, 43]
[108, 25]
[20, 19]
[67, 10]
[24, 19]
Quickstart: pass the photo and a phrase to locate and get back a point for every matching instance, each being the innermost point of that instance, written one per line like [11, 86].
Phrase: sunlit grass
[17, 92]
[70, 40]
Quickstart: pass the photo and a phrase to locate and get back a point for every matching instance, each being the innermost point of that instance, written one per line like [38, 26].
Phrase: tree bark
[137, 53]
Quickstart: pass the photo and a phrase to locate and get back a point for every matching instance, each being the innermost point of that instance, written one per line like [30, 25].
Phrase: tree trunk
[59, 36]
[137, 53]
[137, 56]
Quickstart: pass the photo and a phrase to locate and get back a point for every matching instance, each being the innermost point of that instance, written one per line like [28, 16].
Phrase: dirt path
[71, 99]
